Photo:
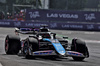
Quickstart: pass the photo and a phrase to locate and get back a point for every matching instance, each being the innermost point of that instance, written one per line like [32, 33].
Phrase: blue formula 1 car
[46, 43]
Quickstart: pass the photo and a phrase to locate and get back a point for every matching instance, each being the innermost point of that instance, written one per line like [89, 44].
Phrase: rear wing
[43, 28]
[26, 30]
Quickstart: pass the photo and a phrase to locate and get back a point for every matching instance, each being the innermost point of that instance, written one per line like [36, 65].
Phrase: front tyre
[32, 46]
[79, 46]
[12, 44]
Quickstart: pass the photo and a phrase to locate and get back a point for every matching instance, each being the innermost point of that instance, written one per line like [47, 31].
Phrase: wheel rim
[30, 50]
[6, 45]
[25, 48]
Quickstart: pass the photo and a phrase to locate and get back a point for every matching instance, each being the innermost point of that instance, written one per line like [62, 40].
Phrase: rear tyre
[12, 44]
[32, 46]
[79, 46]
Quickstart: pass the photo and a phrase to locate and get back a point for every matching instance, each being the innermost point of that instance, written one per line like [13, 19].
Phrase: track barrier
[51, 25]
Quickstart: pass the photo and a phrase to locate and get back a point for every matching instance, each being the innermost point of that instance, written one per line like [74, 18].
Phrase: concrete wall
[45, 4]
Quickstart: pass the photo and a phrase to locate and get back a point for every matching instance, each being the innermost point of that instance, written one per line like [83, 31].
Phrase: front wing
[52, 52]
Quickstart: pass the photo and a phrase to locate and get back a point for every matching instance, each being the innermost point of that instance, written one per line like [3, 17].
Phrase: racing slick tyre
[79, 46]
[12, 44]
[32, 46]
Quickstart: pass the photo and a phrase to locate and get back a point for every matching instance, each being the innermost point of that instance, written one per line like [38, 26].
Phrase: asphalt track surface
[92, 39]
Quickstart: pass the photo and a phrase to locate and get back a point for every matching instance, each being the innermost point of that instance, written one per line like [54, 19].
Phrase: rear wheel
[12, 44]
[32, 46]
[79, 46]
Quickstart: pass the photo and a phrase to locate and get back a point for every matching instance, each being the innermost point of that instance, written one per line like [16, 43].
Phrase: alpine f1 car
[45, 43]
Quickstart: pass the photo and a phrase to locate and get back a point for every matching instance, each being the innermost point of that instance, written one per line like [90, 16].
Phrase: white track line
[92, 41]
[1, 64]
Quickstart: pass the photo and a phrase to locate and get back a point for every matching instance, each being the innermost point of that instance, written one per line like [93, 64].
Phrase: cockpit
[45, 35]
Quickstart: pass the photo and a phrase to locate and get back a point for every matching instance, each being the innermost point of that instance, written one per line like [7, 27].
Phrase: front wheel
[79, 46]
[32, 46]
[12, 44]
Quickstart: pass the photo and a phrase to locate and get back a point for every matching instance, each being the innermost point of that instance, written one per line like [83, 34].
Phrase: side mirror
[54, 35]
[65, 37]
[17, 31]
